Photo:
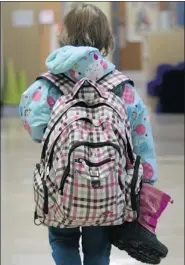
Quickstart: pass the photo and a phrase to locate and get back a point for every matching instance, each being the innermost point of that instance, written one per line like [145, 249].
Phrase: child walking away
[98, 163]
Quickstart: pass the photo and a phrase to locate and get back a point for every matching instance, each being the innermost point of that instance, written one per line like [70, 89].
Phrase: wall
[29, 52]
[180, 13]
[28, 47]
[25, 48]
[165, 47]
[21, 43]
[45, 41]
[128, 54]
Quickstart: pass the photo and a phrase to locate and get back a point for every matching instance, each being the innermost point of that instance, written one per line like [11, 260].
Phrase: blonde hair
[87, 25]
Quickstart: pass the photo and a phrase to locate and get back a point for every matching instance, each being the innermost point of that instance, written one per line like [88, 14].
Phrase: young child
[85, 40]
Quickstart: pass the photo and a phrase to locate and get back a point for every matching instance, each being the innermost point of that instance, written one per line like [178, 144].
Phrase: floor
[24, 244]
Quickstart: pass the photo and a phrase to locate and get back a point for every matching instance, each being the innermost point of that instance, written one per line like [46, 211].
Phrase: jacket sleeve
[142, 138]
[35, 107]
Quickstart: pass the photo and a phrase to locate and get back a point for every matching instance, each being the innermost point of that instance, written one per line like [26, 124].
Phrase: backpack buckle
[95, 178]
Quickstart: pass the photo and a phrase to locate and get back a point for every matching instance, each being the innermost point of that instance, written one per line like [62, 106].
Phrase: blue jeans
[65, 246]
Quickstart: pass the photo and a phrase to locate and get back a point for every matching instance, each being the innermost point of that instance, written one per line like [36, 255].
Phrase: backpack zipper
[77, 144]
[134, 196]
[45, 209]
[90, 164]
[45, 191]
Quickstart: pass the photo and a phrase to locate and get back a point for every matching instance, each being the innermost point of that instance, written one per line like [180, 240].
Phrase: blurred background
[150, 50]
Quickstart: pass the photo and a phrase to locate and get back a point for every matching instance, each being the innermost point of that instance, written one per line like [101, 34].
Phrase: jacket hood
[79, 62]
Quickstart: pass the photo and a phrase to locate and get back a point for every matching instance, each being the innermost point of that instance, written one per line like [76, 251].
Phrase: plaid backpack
[88, 174]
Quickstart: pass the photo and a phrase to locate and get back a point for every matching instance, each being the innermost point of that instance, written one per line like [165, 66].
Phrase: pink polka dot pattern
[36, 96]
[128, 95]
[148, 170]
[95, 56]
[140, 129]
[104, 64]
[50, 101]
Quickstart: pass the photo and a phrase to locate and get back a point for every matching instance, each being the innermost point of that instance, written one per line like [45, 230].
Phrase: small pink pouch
[152, 204]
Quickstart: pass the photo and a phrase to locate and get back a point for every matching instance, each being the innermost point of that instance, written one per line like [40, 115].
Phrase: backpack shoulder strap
[65, 85]
[61, 82]
[103, 93]
[112, 82]
[114, 79]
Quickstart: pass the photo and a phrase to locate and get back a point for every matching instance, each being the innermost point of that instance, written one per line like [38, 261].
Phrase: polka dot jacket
[38, 100]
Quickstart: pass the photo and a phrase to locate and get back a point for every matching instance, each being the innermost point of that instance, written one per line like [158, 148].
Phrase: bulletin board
[142, 18]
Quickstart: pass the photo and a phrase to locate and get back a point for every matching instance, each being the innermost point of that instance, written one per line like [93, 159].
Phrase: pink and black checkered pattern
[83, 178]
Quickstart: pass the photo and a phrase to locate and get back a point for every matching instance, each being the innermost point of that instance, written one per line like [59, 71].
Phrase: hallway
[25, 244]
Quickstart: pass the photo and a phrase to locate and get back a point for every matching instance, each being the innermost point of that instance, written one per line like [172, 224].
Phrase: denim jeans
[65, 246]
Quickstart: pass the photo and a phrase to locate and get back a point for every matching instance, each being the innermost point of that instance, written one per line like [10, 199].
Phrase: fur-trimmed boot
[138, 238]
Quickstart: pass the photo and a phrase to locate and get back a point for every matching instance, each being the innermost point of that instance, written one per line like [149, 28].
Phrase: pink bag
[152, 204]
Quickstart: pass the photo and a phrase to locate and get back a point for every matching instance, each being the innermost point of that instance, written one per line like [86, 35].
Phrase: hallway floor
[25, 244]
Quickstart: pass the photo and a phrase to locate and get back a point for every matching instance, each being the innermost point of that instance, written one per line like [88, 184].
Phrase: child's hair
[87, 25]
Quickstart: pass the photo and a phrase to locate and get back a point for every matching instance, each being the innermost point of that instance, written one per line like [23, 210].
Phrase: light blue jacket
[76, 62]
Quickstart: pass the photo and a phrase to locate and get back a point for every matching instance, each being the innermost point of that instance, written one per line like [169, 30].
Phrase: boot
[138, 238]
[138, 242]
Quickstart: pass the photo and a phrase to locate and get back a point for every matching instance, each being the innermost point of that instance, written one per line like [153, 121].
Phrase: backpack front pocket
[43, 197]
[90, 194]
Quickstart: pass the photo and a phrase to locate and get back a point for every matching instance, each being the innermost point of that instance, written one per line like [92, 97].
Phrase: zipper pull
[84, 163]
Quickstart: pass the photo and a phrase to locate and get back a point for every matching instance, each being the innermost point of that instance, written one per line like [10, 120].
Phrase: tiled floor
[25, 244]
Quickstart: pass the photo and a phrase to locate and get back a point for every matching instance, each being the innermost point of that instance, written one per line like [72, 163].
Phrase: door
[45, 31]
[20, 42]
[128, 54]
